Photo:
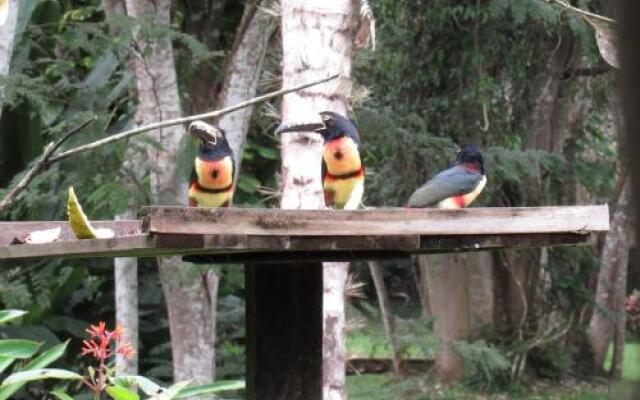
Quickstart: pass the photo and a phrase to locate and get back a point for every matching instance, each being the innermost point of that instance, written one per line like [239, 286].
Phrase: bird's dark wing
[194, 176]
[324, 170]
[451, 182]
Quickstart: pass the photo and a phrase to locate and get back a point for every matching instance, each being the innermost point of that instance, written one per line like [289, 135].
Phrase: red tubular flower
[97, 330]
[100, 348]
[126, 350]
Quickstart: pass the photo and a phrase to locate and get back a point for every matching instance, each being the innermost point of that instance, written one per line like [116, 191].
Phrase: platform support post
[284, 331]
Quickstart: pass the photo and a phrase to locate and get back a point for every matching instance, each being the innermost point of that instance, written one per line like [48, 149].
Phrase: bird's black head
[470, 154]
[213, 142]
[335, 126]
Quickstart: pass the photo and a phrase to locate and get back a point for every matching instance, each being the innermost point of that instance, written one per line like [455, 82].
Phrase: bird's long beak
[300, 127]
[205, 132]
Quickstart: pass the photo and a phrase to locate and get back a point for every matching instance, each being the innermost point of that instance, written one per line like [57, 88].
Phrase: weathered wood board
[375, 222]
[274, 235]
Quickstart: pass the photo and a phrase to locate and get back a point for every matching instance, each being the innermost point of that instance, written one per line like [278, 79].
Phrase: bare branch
[588, 14]
[42, 164]
[47, 158]
[184, 120]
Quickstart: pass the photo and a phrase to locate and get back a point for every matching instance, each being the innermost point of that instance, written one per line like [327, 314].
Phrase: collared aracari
[456, 187]
[342, 167]
[211, 182]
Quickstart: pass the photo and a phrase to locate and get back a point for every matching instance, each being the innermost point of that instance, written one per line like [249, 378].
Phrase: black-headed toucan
[342, 166]
[456, 187]
[211, 182]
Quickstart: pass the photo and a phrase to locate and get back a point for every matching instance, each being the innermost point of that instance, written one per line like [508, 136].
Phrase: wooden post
[284, 331]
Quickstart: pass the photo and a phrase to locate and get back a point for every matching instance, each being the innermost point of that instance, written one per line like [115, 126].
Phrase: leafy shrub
[486, 367]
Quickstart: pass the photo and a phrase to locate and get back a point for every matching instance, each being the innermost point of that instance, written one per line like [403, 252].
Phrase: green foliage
[15, 351]
[486, 367]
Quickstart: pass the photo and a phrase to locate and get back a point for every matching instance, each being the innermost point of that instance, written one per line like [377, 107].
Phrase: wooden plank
[135, 245]
[284, 249]
[20, 229]
[284, 331]
[466, 243]
[296, 257]
[376, 222]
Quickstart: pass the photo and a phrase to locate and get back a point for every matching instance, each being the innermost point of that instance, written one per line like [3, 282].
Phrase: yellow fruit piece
[4, 11]
[79, 222]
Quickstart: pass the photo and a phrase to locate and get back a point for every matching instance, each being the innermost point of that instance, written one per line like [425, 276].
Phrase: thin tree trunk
[242, 74]
[125, 268]
[7, 37]
[317, 42]
[423, 265]
[611, 281]
[190, 293]
[387, 314]
[126, 287]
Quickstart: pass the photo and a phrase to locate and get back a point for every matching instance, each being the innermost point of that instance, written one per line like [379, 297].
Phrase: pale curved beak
[204, 132]
[300, 127]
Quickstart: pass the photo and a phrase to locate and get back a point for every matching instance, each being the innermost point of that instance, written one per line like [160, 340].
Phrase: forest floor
[379, 387]
[415, 340]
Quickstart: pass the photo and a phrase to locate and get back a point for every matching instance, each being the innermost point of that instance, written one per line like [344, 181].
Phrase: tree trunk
[387, 314]
[242, 74]
[8, 24]
[126, 288]
[317, 42]
[423, 266]
[125, 268]
[447, 285]
[611, 281]
[461, 300]
[189, 292]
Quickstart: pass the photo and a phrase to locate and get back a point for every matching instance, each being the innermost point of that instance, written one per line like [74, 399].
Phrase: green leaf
[268, 153]
[18, 348]
[147, 386]
[43, 360]
[121, 393]
[8, 315]
[47, 357]
[61, 395]
[172, 391]
[39, 374]
[217, 387]
[5, 362]
[248, 184]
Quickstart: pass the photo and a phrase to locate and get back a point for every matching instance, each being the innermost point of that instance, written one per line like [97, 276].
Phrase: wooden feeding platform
[282, 250]
[274, 235]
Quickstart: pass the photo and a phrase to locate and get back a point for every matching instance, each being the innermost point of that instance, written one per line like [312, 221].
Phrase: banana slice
[79, 222]
[4, 11]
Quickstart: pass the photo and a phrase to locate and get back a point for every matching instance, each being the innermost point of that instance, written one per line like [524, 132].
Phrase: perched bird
[211, 183]
[342, 167]
[456, 187]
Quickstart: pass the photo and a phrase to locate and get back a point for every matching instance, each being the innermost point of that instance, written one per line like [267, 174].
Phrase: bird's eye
[326, 118]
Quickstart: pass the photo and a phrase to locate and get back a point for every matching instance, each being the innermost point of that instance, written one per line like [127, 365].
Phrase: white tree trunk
[242, 74]
[126, 285]
[317, 42]
[8, 20]
[190, 293]
[125, 268]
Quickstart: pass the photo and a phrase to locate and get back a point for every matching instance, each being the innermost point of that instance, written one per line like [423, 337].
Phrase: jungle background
[524, 79]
